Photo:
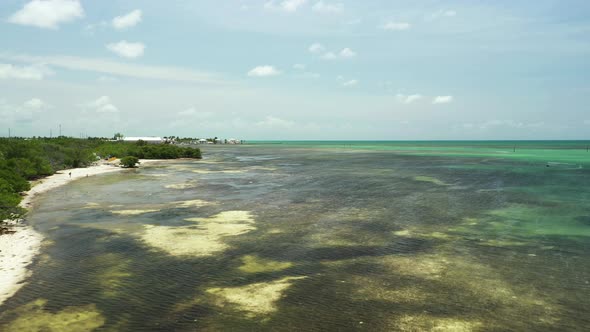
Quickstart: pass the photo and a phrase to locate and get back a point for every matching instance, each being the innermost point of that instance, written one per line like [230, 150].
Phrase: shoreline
[19, 249]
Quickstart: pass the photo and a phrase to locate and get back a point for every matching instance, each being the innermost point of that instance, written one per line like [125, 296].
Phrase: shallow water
[325, 236]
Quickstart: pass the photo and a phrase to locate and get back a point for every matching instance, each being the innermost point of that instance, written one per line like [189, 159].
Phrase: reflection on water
[304, 237]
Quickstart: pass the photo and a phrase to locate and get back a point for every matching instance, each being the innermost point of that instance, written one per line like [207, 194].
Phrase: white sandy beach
[18, 250]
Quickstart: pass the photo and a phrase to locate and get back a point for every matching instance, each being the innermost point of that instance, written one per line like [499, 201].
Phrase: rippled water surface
[319, 236]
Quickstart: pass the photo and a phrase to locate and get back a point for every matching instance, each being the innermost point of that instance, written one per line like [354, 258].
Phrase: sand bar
[18, 250]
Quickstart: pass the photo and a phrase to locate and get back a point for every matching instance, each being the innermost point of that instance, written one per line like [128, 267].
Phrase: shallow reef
[181, 186]
[413, 281]
[192, 203]
[254, 264]
[255, 299]
[272, 238]
[430, 179]
[426, 322]
[204, 171]
[133, 212]
[34, 317]
[113, 272]
[204, 239]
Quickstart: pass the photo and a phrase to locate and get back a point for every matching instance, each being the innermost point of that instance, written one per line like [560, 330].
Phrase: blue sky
[296, 69]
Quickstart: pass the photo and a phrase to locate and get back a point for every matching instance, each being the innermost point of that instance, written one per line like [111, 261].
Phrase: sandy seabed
[18, 250]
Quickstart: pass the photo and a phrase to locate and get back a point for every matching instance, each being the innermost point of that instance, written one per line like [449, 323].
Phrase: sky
[296, 69]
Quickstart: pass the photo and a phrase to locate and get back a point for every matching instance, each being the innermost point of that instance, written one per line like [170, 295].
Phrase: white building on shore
[147, 139]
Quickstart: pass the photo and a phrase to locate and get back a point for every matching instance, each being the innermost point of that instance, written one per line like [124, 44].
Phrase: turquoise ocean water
[320, 236]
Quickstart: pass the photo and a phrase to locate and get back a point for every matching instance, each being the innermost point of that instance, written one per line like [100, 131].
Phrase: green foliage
[144, 150]
[29, 159]
[9, 200]
[14, 180]
[129, 161]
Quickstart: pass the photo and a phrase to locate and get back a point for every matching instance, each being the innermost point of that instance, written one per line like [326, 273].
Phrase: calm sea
[320, 236]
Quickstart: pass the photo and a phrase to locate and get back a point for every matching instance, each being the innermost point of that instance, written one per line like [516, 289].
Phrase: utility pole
[50, 133]
[60, 130]
[8, 132]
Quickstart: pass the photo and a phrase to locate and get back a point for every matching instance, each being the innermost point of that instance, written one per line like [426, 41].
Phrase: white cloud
[441, 14]
[127, 49]
[444, 13]
[347, 53]
[350, 83]
[118, 68]
[48, 14]
[309, 74]
[285, 5]
[35, 72]
[193, 113]
[274, 122]
[329, 56]
[299, 66]
[442, 99]
[503, 123]
[102, 105]
[23, 114]
[188, 112]
[128, 20]
[36, 104]
[396, 26]
[91, 28]
[263, 71]
[107, 79]
[354, 21]
[316, 48]
[327, 8]
[408, 99]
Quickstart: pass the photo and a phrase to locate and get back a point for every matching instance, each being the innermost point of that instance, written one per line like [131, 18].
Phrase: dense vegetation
[129, 161]
[28, 159]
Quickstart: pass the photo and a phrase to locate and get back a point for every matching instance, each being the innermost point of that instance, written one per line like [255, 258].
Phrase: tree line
[24, 159]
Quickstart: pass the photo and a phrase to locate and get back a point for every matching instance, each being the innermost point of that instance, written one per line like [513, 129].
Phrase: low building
[233, 141]
[147, 139]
